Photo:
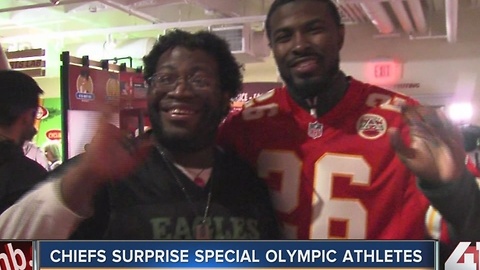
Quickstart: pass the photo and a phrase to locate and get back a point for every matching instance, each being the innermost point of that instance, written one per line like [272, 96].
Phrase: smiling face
[306, 43]
[185, 102]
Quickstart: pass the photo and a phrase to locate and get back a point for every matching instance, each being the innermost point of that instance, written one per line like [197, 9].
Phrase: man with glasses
[175, 183]
[18, 109]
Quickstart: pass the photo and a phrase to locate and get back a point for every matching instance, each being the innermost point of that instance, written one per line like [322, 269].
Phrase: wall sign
[30, 62]
[383, 71]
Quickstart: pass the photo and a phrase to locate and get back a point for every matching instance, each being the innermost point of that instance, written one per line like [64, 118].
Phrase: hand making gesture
[436, 153]
[111, 155]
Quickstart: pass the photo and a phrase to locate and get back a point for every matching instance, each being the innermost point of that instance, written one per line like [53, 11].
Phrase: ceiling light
[110, 43]
[92, 8]
[460, 113]
[209, 12]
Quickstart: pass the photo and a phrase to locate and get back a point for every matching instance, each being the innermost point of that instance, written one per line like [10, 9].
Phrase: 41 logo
[464, 257]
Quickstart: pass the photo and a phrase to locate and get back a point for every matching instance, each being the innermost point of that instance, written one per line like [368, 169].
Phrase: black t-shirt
[151, 205]
[18, 173]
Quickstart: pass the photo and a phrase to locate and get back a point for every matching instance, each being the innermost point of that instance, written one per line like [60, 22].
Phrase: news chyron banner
[56, 255]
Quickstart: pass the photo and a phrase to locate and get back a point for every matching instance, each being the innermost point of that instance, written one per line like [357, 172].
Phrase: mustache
[192, 142]
[302, 56]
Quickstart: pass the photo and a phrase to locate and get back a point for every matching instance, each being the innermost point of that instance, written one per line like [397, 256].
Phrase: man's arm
[54, 209]
[436, 155]
[459, 204]
[110, 156]
[40, 214]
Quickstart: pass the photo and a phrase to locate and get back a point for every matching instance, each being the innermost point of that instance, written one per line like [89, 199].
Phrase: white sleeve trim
[40, 214]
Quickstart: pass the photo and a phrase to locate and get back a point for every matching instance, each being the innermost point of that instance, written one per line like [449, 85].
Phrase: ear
[27, 117]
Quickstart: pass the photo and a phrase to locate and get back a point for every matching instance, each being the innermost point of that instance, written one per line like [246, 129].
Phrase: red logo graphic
[54, 134]
[315, 130]
[42, 113]
[371, 126]
[16, 256]
[464, 257]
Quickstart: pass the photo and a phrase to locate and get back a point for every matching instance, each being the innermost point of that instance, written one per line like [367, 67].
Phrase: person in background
[471, 143]
[334, 174]
[171, 182]
[34, 152]
[18, 108]
[54, 154]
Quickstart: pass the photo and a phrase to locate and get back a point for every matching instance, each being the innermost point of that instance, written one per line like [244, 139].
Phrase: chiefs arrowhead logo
[371, 126]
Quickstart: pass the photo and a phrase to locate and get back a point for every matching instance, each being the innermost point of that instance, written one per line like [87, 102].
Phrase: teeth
[304, 63]
[181, 111]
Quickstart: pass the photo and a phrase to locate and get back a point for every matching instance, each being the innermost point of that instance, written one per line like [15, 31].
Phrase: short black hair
[332, 7]
[230, 71]
[18, 93]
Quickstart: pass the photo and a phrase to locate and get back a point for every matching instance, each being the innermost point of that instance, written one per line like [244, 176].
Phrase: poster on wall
[133, 90]
[133, 103]
[49, 122]
[89, 89]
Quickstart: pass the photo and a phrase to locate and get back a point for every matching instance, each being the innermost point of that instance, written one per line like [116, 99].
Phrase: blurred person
[323, 143]
[53, 153]
[175, 183]
[18, 108]
[33, 152]
[471, 143]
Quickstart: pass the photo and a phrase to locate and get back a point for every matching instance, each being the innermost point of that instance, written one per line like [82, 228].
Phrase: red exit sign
[383, 71]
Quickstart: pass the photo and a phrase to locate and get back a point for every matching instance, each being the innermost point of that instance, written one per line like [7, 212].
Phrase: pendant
[315, 130]
[202, 232]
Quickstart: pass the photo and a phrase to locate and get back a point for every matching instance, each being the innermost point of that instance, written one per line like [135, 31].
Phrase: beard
[28, 134]
[203, 137]
[309, 87]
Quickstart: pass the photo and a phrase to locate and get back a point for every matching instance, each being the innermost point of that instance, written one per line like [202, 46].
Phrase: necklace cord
[184, 190]
[312, 103]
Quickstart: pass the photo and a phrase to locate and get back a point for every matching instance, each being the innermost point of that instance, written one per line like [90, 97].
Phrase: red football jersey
[335, 176]
[472, 168]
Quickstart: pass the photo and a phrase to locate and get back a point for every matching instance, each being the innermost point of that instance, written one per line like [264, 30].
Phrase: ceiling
[25, 23]
[414, 29]
[81, 20]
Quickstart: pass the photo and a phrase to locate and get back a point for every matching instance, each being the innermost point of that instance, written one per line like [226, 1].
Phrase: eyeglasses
[170, 81]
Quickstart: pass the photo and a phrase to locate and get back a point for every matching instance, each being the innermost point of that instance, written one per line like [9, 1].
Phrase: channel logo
[464, 257]
[16, 255]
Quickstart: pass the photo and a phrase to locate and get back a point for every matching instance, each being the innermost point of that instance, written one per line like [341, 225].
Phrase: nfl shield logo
[315, 130]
